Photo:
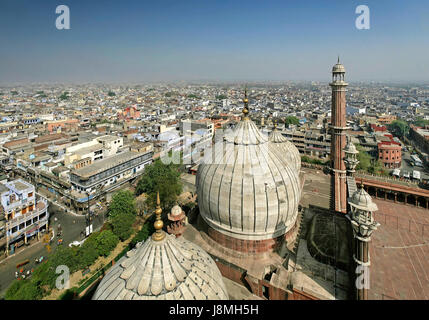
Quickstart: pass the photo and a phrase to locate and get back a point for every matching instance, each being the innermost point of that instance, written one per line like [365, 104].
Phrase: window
[30, 194]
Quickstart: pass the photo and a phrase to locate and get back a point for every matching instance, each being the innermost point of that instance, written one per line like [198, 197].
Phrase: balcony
[41, 206]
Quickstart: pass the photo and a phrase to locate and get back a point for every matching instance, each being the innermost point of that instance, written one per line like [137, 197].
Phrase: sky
[212, 40]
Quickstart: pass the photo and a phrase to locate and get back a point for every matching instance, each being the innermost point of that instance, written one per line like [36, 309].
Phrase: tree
[291, 120]
[364, 159]
[64, 255]
[144, 233]
[88, 252]
[122, 202]
[221, 97]
[399, 128]
[163, 178]
[64, 96]
[141, 205]
[13, 289]
[106, 242]
[420, 122]
[26, 290]
[122, 225]
[377, 168]
[111, 94]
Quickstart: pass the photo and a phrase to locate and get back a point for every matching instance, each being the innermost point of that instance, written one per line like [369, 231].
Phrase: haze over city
[142, 41]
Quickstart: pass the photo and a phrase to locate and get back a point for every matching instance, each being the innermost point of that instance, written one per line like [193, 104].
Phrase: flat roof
[19, 185]
[108, 138]
[86, 150]
[107, 163]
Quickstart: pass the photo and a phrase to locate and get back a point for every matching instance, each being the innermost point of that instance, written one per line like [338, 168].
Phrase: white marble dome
[167, 269]
[362, 200]
[176, 211]
[247, 191]
[286, 148]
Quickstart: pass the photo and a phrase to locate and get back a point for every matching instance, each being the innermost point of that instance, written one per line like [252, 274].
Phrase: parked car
[406, 175]
[75, 244]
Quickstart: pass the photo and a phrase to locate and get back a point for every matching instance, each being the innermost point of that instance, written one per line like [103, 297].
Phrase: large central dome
[247, 190]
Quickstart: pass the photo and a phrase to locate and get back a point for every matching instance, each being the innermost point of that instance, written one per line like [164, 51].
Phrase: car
[406, 175]
[75, 244]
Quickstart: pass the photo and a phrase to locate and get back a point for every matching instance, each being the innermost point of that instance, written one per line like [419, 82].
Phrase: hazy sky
[163, 40]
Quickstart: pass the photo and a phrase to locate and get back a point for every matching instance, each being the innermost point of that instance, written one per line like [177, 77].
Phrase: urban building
[22, 214]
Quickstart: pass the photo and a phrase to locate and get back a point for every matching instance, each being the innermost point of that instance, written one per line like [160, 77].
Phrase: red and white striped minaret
[338, 139]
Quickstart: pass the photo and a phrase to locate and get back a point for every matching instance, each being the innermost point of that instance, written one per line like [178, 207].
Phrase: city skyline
[111, 42]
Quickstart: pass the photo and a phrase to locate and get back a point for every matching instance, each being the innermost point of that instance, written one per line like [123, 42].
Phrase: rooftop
[105, 164]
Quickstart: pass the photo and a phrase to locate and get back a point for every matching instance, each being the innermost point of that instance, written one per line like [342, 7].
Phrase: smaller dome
[350, 148]
[169, 269]
[362, 200]
[338, 68]
[286, 148]
[176, 211]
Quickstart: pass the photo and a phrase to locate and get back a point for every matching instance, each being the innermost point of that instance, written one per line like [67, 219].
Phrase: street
[72, 227]
[406, 166]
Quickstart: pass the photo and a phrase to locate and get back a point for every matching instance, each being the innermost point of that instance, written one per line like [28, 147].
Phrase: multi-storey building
[24, 216]
[106, 175]
[390, 154]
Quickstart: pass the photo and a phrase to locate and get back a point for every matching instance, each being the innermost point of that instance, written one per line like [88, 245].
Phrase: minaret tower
[338, 139]
[363, 224]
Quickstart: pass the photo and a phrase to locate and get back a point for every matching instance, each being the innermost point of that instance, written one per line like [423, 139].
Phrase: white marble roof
[286, 148]
[248, 191]
[169, 269]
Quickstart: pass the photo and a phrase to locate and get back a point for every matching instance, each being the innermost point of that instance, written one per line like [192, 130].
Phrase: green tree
[122, 225]
[291, 120]
[193, 96]
[111, 94]
[106, 242]
[26, 291]
[221, 97]
[364, 159]
[377, 168]
[122, 202]
[144, 233]
[163, 178]
[88, 252]
[399, 128]
[13, 289]
[64, 96]
[420, 122]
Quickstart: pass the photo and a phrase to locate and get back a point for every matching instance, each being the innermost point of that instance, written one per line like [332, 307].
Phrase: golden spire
[158, 235]
[275, 124]
[246, 105]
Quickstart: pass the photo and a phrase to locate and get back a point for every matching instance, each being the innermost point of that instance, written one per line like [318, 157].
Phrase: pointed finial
[275, 124]
[158, 235]
[246, 104]
[338, 59]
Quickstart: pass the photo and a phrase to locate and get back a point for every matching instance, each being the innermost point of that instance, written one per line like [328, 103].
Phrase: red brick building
[390, 154]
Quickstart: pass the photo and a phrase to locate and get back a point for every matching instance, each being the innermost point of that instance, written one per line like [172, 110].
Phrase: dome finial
[275, 124]
[338, 59]
[246, 104]
[158, 235]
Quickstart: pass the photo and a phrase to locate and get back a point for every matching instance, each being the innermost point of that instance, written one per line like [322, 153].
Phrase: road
[406, 166]
[71, 225]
